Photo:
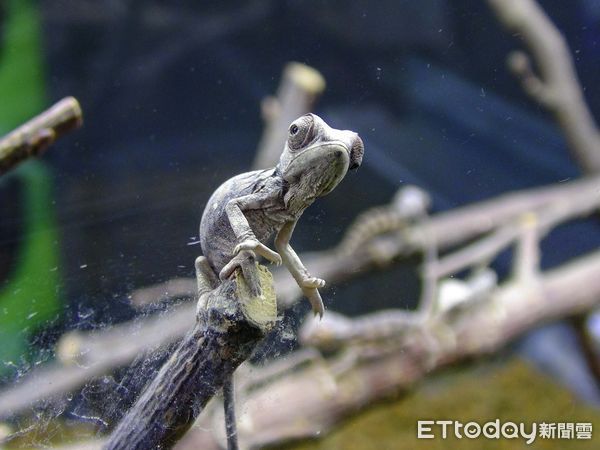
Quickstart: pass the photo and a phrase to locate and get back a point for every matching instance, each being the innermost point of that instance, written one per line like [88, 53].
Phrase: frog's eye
[300, 132]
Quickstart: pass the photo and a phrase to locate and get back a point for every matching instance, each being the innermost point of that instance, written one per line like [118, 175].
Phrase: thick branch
[221, 340]
[557, 87]
[33, 137]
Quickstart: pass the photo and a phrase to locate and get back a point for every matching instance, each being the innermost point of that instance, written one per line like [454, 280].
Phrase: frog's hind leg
[245, 260]
[207, 281]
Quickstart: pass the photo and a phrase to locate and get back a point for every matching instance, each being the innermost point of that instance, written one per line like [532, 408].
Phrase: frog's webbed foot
[259, 248]
[245, 260]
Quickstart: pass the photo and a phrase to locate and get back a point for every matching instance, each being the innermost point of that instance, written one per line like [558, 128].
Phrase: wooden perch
[33, 137]
[556, 87]
[300, 87]
[224, 336]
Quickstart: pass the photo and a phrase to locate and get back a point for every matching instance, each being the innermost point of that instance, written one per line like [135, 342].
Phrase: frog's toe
[313, 282]
[276, 259]
[268, 254]
[228, 269]
[315, 300]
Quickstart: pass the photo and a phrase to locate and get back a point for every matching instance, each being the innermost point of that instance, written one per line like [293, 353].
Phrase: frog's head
[318, 156]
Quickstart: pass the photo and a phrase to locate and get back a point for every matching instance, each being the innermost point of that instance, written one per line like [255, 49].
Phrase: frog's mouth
[321, 167]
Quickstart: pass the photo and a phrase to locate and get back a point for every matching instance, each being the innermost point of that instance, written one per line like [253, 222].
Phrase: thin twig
[230, 420]
[481, 251]
[526, 261]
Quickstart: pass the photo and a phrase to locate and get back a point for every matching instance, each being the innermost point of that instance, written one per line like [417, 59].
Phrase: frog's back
[217, 238]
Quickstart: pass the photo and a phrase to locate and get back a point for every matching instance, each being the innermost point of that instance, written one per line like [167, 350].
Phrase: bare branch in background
[84, 356]
[326, 391]
[558, 90]
[556, 87]
[300, 87]
[33, 137]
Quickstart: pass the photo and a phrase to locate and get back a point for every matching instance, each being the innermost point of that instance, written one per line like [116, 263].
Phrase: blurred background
[171, 94]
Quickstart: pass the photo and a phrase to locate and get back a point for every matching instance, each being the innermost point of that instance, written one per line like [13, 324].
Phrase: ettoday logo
[432, 429]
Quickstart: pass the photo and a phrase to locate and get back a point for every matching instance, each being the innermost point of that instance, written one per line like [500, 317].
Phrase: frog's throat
[327, 160]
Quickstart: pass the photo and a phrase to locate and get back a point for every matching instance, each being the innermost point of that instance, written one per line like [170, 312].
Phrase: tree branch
[33, 137]
[556, 87]
[224, 336]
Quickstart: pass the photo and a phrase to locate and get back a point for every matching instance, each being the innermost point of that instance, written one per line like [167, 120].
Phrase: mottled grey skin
[217, 237]
[246, 212]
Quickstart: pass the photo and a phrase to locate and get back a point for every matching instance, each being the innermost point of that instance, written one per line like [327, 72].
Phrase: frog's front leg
[292, 262]
[244, 253]
[246, 239]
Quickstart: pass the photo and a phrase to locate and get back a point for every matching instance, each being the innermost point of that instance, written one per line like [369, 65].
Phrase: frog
[249, 211]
